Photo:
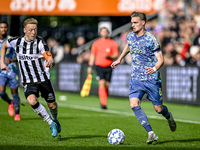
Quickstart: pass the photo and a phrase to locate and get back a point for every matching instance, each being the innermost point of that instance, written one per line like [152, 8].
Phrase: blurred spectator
[67, 52]
[194, 58]
[179, 60]
[169, 54]
[78, 48]
[56, 49]
[177, 29]
[80, 41]
[83, 57]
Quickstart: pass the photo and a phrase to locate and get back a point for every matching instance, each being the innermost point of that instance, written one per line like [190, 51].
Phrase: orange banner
[79, 7]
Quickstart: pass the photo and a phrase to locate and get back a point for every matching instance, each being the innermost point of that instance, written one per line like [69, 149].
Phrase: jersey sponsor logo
[21, 46]
[138, 51]
[24, 57]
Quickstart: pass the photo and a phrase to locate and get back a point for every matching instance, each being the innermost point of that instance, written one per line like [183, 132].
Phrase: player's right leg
[103, 87]
[143, 120]
[31, 94]
[4, 96]
[103, 93]
[135, 96]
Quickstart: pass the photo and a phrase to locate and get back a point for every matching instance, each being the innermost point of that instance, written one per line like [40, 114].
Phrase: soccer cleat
[103, 107]
[11, 110]
[172, 123]
[53, 128]
[152, 137]
[17, 117]
[57, 123]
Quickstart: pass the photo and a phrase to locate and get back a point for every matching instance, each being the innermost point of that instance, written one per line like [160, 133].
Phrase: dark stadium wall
[180, 84]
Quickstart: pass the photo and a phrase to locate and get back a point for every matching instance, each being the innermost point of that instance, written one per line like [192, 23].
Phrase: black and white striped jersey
[32, 63]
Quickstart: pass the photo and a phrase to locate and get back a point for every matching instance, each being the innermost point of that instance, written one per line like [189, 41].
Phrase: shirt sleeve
[93, 49]
[155, 46]
[115, 48]
[43, 46]
[11, 42]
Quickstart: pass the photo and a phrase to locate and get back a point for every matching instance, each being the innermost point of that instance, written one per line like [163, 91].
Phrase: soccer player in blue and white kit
[147, 59]
[9, 77]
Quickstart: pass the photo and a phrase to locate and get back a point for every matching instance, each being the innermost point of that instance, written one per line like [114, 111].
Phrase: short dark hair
[4, 22]
[141, 15]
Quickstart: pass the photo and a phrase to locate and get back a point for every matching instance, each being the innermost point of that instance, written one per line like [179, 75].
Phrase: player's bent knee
[134, 102]
[32, 99]
[14, 91]
[52, 105]
[158, 108]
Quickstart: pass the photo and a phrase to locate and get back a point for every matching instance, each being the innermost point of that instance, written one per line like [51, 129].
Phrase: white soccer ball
[116, 136]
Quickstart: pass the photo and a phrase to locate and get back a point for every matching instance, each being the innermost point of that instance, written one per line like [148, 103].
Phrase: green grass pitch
[85, 126]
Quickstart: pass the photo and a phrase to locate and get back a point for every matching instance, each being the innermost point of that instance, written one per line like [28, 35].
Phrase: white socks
[41, 111]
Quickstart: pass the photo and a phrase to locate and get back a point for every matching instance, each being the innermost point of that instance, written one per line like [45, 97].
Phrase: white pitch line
[115, 112]
[120, 112]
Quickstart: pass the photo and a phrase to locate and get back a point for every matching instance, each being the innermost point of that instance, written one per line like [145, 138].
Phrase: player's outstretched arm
[3, 53]
[50, 61]
[160, 61]
[118, 61]
[91, 64]
[158, 65]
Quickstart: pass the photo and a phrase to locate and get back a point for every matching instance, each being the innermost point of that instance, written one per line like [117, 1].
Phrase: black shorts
[45, 88]
[104, 73]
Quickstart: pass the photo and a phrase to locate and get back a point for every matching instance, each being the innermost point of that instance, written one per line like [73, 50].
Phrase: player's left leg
[103, 93]
[162, 109]
[13, 83]
[47, 92]
[31, 92]
[53, 108]
[155, 96]
[16, 101]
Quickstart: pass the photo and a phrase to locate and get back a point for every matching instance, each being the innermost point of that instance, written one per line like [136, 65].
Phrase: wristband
[90, 66]
[154, 69]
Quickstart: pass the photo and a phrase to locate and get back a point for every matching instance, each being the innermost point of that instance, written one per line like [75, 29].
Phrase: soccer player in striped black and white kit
[34, 61]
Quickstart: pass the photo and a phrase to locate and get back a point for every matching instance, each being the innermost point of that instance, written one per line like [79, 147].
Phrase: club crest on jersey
[107, 50]
[51, 96]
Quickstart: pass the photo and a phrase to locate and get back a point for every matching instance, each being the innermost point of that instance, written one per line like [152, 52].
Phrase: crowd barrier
[180, 84]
